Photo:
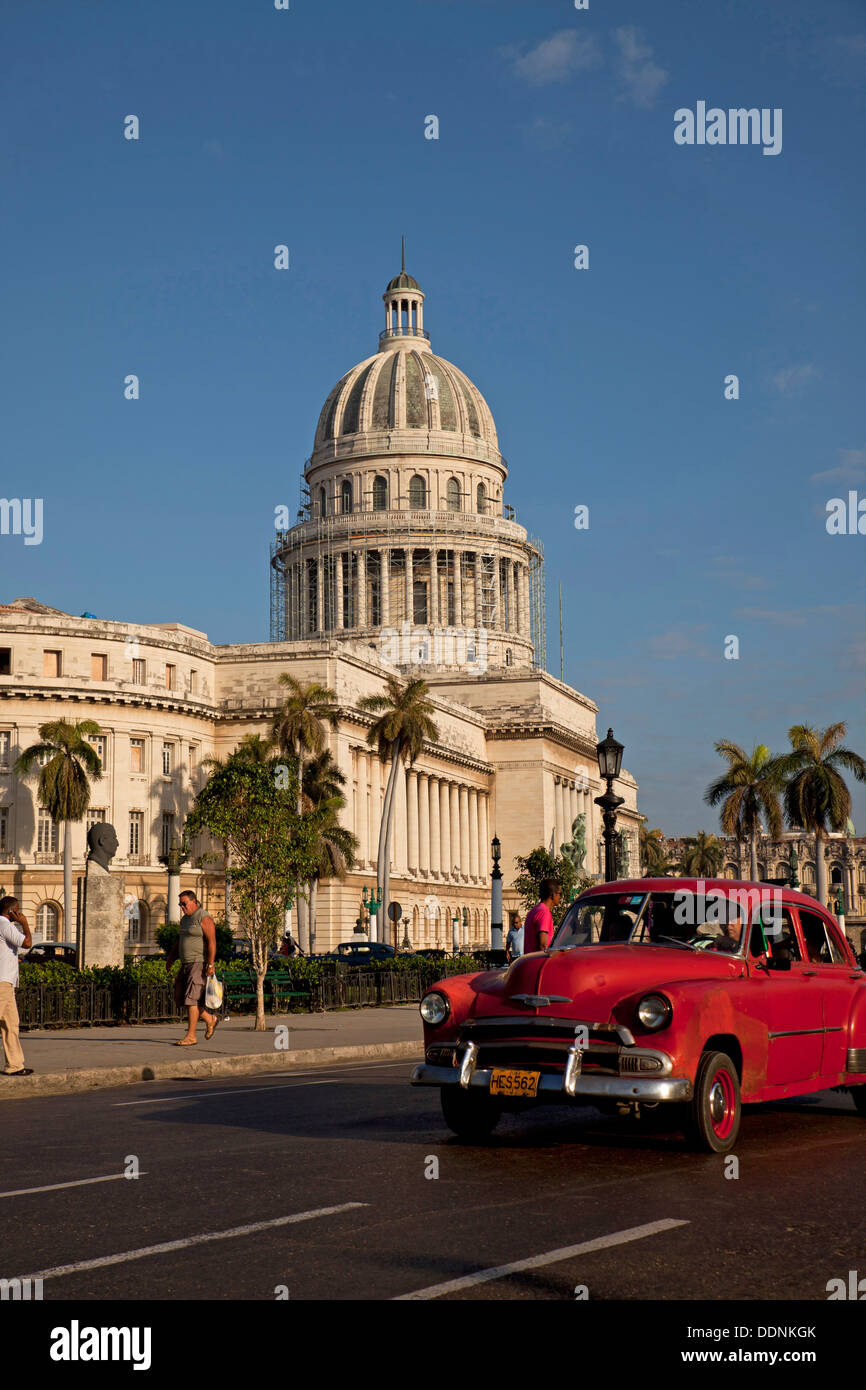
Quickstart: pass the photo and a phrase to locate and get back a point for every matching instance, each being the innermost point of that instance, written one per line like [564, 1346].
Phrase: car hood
[590, 980]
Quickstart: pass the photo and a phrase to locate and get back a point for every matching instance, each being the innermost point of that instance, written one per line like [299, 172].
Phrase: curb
[63, 1082]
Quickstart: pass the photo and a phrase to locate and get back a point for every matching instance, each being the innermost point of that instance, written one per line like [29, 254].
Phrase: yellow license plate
[514, 1083]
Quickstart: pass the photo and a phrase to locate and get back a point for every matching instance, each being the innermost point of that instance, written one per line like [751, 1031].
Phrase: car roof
[696, 885]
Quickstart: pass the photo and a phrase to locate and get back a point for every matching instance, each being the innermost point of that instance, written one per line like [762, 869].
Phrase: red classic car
[694, 994]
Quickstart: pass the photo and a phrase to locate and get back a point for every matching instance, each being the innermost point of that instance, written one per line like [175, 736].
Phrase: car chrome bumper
[566, 1087]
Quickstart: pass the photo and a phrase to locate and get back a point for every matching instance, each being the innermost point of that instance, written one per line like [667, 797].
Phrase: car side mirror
[780, 959]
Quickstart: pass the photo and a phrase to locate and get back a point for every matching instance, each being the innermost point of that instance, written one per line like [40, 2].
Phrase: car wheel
[470, 1117]
[859, 1094]
[714, 1113]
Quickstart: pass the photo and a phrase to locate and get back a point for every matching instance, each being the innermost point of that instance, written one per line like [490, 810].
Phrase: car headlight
[654, 1011]
[435, 1008]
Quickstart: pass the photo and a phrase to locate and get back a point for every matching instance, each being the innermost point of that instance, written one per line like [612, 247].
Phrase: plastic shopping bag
[213, 995]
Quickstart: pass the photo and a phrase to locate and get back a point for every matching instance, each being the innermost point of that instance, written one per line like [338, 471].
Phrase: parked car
[696, 996]
[361, 952]
[42, 951]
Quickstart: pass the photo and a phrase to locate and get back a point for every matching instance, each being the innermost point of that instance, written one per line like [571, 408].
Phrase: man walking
[538, 927]
[14, 932]
[514, 939]
[196, 947]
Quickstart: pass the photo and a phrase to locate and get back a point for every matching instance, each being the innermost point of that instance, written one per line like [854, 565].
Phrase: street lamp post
[372, 904]
[455, 932]
[496, 896]
[609, 753]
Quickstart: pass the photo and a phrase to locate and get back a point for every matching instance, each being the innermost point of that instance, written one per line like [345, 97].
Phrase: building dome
[406, 387]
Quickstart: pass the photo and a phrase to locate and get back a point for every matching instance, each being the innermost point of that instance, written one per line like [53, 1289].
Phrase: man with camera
[14, 932]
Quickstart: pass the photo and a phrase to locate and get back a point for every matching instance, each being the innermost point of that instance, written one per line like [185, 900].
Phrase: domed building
[405, 559]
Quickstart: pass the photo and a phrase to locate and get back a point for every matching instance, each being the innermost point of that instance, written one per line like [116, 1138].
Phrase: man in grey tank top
[196, 947]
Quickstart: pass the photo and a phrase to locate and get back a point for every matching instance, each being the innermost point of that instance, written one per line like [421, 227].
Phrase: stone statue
[575, 850]
[101, 846]
[623, 857]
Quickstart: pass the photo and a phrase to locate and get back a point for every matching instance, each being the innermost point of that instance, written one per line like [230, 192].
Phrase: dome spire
[404, 308]
[402, 255]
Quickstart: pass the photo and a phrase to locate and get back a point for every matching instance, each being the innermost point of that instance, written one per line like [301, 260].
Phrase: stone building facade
[405, 559]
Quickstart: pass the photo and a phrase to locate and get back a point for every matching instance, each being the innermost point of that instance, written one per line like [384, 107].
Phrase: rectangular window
[98, 667]
[95, 817]
[4, 829]
[99, 744]
[5, 749]
[139, 671]
[192, 757]
[166, 759]
[170, 677]
[136, 755]
[136, 833]
[5, 661]
[46, 834]
[167, 830]
[51, 664]
[193, 682]
[419, 601]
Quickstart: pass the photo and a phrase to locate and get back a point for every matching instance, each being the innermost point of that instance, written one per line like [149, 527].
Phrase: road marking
[246, 1090]
[567, 1252]
[169, 1245]
[53, 1186]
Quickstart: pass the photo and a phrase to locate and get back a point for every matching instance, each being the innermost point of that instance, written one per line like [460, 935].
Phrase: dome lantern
[404, 308]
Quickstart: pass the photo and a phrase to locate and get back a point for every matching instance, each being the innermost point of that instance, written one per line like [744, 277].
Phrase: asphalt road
[329, 1168]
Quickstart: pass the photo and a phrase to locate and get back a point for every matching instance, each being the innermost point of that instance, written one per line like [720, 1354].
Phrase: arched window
[783, 870]
[417, 492]
[481, 498]
[836, 873]
[346, 496]
[453, 495]
[47, 921]
[731, 871]
[508, 657]
[135, 914]
[380, 494]
[322, 501]
[808, 874]
[762, 873]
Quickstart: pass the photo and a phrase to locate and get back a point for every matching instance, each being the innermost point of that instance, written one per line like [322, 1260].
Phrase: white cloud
[640, 77]
[787, 379]
[850, 469]
[555, 58]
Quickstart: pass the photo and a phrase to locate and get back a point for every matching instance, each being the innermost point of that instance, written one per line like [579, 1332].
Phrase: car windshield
[703, 921]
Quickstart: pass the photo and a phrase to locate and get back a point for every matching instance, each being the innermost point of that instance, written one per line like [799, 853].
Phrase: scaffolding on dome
[537, 604]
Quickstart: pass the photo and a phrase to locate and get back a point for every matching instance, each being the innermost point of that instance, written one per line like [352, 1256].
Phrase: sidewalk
[78, 1059]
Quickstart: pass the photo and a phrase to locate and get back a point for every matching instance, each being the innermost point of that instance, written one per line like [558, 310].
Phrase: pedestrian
[196, 947]
[14, 932]
[514, 939]
[538, 927]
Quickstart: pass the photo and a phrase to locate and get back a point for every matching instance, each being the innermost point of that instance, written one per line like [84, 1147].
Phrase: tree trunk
[313, 886]
[260, 1000]
[753, 856]
[303, 923]
[820, 869]
[385, 835]
[68, 910]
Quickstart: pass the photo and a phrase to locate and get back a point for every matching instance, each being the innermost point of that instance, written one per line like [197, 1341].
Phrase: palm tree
[816, 795]
[299, 728]
[66, 763]
[403, 726]
[336, 847]
[748, 791]
[653, 854]
[702, 856]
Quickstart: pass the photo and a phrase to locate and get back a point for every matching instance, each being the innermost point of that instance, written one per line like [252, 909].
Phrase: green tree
[539, 864]
[253, 748]
[252, 807]
[702, 856]
[66, 764]
[398, 735]
[816, 794]
[653, 853]
[334, 847]
[748, 791]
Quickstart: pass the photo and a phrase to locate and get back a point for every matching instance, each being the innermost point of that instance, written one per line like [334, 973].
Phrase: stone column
[433, 590]
[524, 600]
[412, 818]
[423, 824]
[478, 604]
[464, 833]
[361, 827]
[497, 600]
[304, 617]
[384, 588]
[320, 595]
[375, 807]
[409, 605]
[435, 840]
[558, 813]
[455, 827]
[361, 613]
[446, 860]
[400, 839]
[473, 833]
[338, 586]
[511, 596]
[458, 588]
[484, 835]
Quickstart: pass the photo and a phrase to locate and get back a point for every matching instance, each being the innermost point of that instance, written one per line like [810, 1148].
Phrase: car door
[792, 1006]
[828, 964]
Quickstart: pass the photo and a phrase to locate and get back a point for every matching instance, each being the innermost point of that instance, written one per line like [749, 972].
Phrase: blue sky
[306, 127]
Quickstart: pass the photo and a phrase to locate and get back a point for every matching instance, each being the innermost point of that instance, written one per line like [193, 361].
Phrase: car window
[778, 924]
[821, 949]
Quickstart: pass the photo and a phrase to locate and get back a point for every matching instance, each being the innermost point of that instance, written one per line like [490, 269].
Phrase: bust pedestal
[103, 917]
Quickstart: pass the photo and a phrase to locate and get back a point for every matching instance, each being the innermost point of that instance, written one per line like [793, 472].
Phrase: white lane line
[53, 1186]
[248, 1090]
[169, 1245]
[567, 1252]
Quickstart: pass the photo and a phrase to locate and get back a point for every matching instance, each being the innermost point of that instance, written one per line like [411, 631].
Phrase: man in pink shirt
[538, 927]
